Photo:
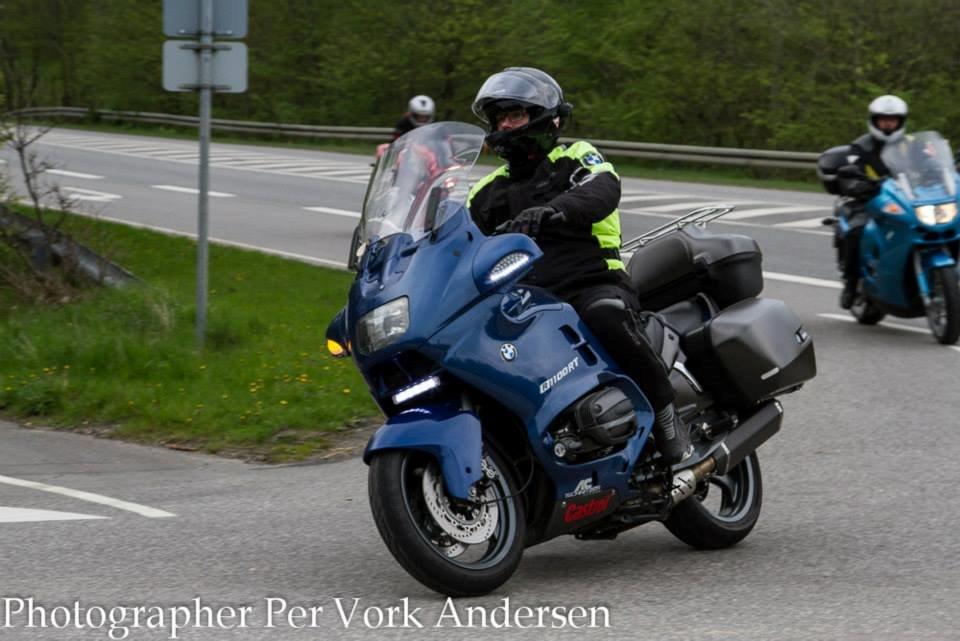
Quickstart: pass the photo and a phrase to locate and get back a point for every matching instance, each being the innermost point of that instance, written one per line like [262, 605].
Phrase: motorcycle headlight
[927, 214]
[946, 213]
[384, 325]
[937, 214]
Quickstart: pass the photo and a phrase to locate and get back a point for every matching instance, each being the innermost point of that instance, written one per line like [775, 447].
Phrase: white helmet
[421, 110]
[888, 105]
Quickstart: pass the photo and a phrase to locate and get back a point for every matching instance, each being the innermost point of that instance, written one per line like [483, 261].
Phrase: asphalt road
[857, 539]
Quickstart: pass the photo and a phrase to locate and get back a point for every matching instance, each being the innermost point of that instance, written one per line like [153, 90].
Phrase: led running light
[418, 388]
[508, 265]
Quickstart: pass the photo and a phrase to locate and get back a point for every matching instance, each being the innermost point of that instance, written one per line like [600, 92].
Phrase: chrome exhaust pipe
[740, 443]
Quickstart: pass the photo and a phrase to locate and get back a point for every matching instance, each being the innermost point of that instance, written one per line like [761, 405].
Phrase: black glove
[530, 221]
[861, 189]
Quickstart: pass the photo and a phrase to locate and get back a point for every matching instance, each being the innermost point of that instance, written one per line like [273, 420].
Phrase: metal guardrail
[654, 151]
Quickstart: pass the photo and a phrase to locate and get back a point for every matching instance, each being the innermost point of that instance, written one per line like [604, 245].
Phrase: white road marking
[723, 221]
[678, 206]
[133, 147]
[342, 172]
[191, 190]
[183, 156]
[313, 260]
[25, 515]
[803, 280]
[335, 212]
[254, 161]
[766, 211]
[190, 158]
[306, 169]
[905, 328]
[162, 154]
[805, 223]
[284, 165]
[650, 196]
[142, 510]
[73, 174]
[78, 193]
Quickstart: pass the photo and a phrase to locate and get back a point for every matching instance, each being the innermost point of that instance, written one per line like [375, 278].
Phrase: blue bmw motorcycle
[507, 423]
[910, 245]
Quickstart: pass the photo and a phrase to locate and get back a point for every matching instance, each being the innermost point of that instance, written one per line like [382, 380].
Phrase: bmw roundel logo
[508, 351]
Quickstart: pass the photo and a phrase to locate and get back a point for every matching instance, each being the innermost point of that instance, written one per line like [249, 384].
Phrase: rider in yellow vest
[566, 197]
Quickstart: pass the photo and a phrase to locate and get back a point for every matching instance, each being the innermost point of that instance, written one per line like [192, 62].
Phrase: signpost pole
[206, 91]
[189, 66]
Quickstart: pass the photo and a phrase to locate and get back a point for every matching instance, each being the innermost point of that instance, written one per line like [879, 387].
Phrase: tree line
[776, 74]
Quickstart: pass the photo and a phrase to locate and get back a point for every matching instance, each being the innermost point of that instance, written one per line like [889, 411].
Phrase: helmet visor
[515, 86]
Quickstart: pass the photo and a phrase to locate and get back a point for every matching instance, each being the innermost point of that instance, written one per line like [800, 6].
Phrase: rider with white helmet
[860, 180]
[420, 111]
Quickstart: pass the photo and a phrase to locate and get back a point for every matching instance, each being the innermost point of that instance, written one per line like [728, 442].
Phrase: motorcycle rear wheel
[723, 512]
[943, 312]
[432, 551]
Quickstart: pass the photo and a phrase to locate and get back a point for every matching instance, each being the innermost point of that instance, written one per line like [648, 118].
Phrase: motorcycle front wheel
[723, 511]
[943, 311]
[454, 547]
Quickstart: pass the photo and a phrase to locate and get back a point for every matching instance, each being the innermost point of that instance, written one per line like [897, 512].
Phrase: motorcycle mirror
[433, 203]
[353, 257]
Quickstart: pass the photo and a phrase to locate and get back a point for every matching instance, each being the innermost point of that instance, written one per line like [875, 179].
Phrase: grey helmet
[888, 105]
[422, 110]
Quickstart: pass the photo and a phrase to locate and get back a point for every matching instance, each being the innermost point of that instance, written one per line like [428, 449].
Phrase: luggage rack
[700, 217]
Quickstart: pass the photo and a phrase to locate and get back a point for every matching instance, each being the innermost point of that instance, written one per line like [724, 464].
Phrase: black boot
[849, 293]
[672, 436]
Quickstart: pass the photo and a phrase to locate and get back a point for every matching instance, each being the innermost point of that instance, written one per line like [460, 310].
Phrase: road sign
[181, 66]
[181, 18]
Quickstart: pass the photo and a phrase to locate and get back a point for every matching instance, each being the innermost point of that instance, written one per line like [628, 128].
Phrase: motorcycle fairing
[556, 362]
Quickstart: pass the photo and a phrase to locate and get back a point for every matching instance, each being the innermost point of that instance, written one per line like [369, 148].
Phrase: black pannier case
[726, 267]
[751, 352]
[829, 163]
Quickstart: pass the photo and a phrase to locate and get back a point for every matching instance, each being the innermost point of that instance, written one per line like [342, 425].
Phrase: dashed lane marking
[73, 174]
[806, 223]
[335, 212]
[192, 190]
[767, 211]
[78, 193]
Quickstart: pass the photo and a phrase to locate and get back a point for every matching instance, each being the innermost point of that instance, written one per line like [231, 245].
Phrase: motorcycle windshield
[421, 180]
[922, 165]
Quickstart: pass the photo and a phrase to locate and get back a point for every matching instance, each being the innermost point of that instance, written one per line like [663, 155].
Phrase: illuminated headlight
[937, 214]
[382, 326]
[509, 264]
[418, 388]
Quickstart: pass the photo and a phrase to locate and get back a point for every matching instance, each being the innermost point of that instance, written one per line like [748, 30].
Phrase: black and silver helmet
[536, 92]
[421, 110]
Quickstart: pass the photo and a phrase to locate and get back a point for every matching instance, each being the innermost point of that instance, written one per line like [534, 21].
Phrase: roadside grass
[766, 178]
[124, 362]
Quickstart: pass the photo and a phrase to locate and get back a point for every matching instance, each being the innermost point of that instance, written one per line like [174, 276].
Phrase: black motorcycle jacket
[865, 155]
[404, 125]
[582, 251]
